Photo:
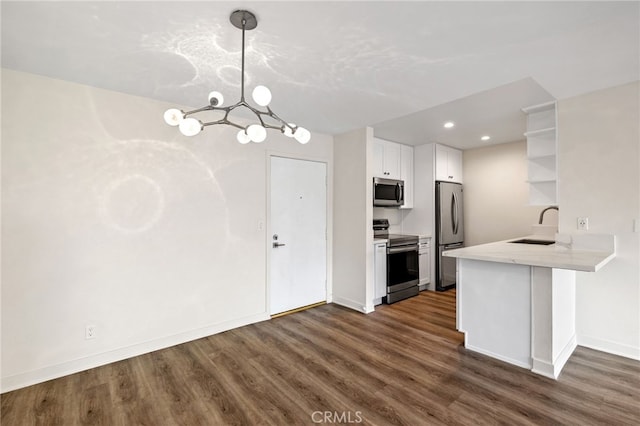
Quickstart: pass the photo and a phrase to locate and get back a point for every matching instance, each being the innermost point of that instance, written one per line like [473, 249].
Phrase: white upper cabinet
[393, 160]
[448, 164]
[386, 159]
[406, 174]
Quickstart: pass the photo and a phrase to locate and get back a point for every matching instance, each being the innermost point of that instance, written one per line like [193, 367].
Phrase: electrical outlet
[90, 332]
[583, 223]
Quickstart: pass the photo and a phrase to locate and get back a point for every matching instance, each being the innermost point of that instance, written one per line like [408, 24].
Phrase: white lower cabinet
[380, 272]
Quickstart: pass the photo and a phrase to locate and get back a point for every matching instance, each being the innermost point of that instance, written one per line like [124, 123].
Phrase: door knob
[276, 245]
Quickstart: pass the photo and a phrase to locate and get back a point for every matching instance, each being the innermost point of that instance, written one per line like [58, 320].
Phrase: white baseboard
[40, 375]
[610, 347]
[515, 362]
[552, 370]
[543, 368]
[564, 355]
[352, 304]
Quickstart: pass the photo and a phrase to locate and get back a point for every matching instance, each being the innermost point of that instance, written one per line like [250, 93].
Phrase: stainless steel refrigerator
[449, 231]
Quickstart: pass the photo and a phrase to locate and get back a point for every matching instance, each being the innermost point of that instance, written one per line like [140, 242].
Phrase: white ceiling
[338, 66]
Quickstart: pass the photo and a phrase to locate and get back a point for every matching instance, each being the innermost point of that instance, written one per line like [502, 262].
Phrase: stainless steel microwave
[388, 192]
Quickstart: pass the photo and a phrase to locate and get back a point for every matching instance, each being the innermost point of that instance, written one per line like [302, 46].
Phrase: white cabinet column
[406, 174]
[553, 326]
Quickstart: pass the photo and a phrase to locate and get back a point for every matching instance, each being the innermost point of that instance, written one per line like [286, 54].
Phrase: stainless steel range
[402, 262]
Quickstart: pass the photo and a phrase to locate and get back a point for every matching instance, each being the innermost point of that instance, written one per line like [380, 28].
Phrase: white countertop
[550, 256]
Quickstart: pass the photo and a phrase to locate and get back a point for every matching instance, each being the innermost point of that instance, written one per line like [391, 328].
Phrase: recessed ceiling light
[449, 124]
[485, 138]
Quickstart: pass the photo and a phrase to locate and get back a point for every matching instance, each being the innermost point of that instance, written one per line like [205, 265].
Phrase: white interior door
[298, 240]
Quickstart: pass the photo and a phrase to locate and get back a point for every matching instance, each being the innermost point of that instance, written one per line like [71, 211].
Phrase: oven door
[402, 267]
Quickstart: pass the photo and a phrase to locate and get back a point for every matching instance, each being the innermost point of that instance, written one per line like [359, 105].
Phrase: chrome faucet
[543, 211]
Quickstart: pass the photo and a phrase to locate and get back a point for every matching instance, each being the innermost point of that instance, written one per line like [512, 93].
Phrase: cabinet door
[454, 165]
[392, 155]
[406, 174]
[442, 166]
[448, 164]
[425, 261]
[378, 158]
[380, 270]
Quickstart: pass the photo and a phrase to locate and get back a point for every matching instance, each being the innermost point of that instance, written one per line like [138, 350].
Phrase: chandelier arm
[257, 112]
[227, 110]
[212, 108]
[205, 108]
[284, 123]
[271, 126]
[223, 121]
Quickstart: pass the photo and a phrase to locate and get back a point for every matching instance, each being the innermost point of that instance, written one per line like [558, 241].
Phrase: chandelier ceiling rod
[190, 126]
[244, 25]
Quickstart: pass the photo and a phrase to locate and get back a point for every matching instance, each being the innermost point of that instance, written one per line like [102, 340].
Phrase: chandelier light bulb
[262, 95]
[190, 126]
[257, 133]
[173, 116]
[243, 137]
[302, 135]
[216, 99]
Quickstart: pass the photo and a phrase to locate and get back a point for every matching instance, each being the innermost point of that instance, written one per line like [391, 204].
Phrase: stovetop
[380, 230]
[399, 239]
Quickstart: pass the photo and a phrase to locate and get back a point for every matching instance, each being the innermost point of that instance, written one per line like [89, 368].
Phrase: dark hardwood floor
[403, 364]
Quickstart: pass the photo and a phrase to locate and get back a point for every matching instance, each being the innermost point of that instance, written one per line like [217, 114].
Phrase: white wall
[112, 218]
[599, 163]
[496, 194]
[352, 221]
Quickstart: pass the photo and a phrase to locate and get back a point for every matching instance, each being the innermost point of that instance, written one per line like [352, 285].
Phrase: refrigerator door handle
[454, 215]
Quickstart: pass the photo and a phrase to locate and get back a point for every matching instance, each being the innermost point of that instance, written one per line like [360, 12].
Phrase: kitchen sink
[532, 241]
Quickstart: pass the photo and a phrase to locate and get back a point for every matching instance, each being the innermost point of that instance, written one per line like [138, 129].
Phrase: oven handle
[402, 249]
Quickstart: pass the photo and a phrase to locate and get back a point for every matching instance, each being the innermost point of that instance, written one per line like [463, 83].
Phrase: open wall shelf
[541, 137]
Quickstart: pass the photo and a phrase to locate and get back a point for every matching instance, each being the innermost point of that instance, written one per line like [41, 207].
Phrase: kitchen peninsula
[516, 301]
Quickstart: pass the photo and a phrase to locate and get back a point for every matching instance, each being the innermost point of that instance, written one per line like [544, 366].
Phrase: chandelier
[191, 126]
